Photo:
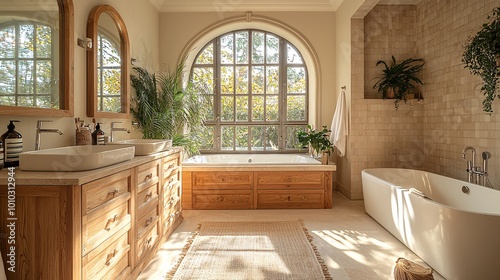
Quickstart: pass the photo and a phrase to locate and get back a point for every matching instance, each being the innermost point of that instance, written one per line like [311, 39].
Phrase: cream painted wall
[142, 22]
[177, 29]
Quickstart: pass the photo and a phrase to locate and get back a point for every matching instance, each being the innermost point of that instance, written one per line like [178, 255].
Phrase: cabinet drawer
[96, 229]
[109, 259]
[147, 221]
[171, 204]
[170, 185]
[146, 243]
[226, 180]
[171, 216]
[172, 190]
[223, 199]
[290, 199]
[170, 165]
[146, 198]
[147, 175]
[289, 180]
[108, 189]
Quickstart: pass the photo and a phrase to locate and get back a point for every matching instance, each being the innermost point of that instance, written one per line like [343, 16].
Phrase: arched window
[108, 73]
[27, 66]
[260, 92]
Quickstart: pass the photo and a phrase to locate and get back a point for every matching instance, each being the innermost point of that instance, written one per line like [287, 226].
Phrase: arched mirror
[36, 57]
[107, 64]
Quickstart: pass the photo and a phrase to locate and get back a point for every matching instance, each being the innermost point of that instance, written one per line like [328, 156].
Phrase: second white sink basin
[75, 158]
[145, 146]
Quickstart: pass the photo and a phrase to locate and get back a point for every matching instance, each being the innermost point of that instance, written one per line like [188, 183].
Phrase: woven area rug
[250, 251]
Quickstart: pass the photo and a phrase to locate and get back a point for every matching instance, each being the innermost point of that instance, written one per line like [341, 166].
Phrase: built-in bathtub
[255, 181]
[454, 226]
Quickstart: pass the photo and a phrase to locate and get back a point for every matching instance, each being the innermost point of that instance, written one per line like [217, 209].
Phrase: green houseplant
[165, 109]
[318, 142]
[397, 79]
[482, 57]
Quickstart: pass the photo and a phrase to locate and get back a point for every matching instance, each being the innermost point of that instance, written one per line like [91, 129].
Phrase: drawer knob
[148, 242]
[110, 221]
[149, 195]
[114, 192]
[171, 166]
[149, 221]
[110, 257]
[288, 198]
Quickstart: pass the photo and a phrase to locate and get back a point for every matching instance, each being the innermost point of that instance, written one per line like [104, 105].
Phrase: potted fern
[397, 79]
[482, 57]
[165, 109]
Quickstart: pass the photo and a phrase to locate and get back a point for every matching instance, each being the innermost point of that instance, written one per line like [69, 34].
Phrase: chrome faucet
[470, 163]
[113, 129]
[40, 130]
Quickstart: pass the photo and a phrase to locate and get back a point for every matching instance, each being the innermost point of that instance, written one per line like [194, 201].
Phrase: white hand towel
[339, 125]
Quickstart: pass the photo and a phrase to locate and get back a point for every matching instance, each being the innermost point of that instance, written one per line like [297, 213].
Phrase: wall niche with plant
[482, 57]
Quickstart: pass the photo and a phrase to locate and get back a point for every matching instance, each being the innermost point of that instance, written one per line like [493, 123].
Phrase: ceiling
[255, 5]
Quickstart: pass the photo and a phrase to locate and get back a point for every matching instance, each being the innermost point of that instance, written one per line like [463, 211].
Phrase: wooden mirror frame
[92, 31]
[66, 70]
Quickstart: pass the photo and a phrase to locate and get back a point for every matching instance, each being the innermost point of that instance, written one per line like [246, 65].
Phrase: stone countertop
[42, 178]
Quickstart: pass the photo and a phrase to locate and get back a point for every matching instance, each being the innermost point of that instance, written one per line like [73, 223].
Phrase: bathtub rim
[259, 167]
[364, 171]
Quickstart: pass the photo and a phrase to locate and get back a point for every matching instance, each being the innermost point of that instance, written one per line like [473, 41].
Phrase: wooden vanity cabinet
[107, 228]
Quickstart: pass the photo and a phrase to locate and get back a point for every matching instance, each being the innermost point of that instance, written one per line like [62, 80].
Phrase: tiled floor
[352, 244]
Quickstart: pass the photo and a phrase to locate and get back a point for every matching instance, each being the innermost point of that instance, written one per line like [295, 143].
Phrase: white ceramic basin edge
[75, 158]
[145, 146]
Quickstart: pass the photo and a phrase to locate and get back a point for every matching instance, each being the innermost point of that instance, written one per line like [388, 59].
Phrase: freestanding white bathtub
[454, 226]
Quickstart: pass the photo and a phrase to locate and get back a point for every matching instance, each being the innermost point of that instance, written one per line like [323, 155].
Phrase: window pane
[25, 100]
[296, 80]
[257, 143]
[272, 80]
[43, 101]
[25, 77]
[7, 77]
[207, 137]
[258, 79]
[227, 138]
[26, 41]
[257, 47]
[227, 49]
[272, 108]
[272, 49]
[7, 42]
[207, 55]
[242, 108]
[242, 138]
[227, 108]
[272, 137]
[257, 108]
[203, 79]
[227, 80]
[43, 41]
[7, 100]
[291, 141]
[109, 54]
[111, 104]
[295, 108]
[242, 80]
[111, 82]
[292, 55]
[209, 104]
[43, 77]
[242, 47]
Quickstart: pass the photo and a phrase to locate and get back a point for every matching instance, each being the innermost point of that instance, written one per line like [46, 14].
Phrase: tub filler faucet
[470, 163]
[475, 174]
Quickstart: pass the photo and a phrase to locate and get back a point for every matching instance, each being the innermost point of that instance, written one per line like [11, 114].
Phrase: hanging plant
[482, 57]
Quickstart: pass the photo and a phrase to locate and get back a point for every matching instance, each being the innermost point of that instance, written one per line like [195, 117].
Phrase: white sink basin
[75, 158]
[145, 146]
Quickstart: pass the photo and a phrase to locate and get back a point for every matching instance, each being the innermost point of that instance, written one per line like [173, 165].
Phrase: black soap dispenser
[98, 135]
[13, 145]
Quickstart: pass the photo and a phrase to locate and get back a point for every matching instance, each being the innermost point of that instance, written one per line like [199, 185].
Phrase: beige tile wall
[431, 135]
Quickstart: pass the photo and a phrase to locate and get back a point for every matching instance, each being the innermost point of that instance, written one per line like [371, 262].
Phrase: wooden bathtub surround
[107, 228]
[256, 189]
